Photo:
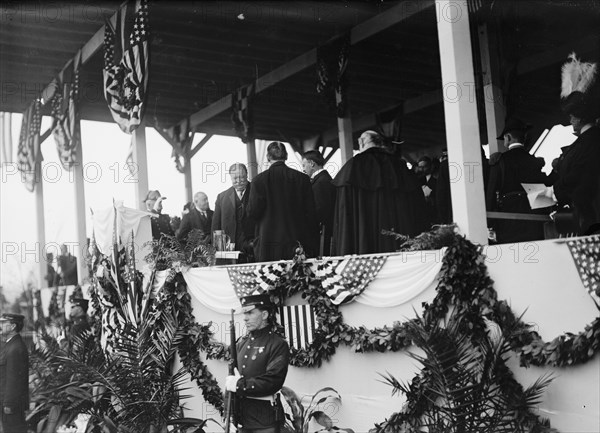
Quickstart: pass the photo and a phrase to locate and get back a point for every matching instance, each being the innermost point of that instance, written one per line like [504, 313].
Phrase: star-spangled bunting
[586, 255]
[126, 61]
[256, 279]
[65, 113]
[29, 144]
[345, 279]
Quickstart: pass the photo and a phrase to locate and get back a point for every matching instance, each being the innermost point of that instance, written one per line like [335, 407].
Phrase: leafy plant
[464, 385]
[126, 386]
[297, 420]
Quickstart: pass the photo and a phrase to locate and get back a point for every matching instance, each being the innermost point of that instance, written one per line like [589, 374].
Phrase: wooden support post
[345, 138]
[460, 112]
[252, 162]
[187, 175]
[141, 162]
[40, 223]
[495, 110]
[80, 214]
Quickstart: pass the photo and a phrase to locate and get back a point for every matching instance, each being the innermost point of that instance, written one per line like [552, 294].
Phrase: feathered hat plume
[577, 76]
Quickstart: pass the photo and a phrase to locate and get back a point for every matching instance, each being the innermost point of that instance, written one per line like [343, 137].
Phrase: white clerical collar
[515, 145]
[316, 172]
[585, 128]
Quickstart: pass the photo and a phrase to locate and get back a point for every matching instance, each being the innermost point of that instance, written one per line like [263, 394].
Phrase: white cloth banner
[403, 277]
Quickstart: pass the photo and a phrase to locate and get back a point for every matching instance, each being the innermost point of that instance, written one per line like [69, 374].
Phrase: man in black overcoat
[504, 191]
[324, 193]
[199, 217]
[14, 374]
[282, 204]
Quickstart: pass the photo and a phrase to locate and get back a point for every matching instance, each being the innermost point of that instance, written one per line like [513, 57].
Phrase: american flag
[126, 80]
[256, 279]
[241, 116]
[299, 324]
[346, 278]
[29, 144]
[66, 128]
[586, 255]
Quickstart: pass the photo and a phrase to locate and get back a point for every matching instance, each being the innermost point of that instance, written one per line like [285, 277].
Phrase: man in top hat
[14, 374]
[504, 191]
[161, 223]
[79, 318]
[262, 359]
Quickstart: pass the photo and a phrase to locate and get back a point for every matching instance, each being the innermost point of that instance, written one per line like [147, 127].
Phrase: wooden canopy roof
[202, 51]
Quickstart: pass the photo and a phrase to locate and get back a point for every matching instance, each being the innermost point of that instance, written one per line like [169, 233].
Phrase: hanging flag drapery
[29, 144]
[346, 278]
[126, 61]
[65, 113]
[6, 137]
[256, 279]
[242, 113]
[389, 124]
[586, 255]
[332, 64]
[183, 135]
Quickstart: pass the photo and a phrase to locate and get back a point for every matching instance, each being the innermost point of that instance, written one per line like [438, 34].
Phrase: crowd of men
[376, 191]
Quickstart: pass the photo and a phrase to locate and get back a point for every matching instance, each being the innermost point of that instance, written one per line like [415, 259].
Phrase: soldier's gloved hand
[231, 381]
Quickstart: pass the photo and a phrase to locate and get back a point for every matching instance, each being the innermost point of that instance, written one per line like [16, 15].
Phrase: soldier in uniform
[262, 359]
[14, 375]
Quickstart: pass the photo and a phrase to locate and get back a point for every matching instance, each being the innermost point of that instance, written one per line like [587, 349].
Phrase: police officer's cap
[12, 318]
[80, 302]
[252, 301]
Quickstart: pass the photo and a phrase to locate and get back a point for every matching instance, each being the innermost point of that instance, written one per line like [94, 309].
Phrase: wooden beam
[87, 51]
[200, 144]
[45, 135]
[518, 216]
[360, 32]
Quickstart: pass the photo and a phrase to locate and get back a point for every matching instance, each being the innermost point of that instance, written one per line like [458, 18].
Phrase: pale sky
[105, 149]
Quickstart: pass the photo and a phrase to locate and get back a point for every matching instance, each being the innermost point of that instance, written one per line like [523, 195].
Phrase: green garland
[463, 283]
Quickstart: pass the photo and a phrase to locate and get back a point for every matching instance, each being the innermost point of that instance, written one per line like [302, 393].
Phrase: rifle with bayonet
[230, 397]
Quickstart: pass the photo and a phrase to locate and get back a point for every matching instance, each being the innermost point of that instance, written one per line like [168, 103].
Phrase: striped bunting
[126, 79]
[29, 144]
[241, 116]
[256, 279]
[65, 113]
[299, 324]
[586, 255]
[344, 279]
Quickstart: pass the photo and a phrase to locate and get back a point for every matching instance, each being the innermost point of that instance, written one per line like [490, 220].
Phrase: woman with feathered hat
[578, 168]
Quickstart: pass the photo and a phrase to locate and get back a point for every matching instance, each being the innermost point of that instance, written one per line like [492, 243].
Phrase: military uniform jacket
[263, 358]
[14, 375]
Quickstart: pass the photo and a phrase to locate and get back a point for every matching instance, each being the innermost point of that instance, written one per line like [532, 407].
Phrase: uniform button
[248, 347]
[243, 366]
[253, 386]
[245, 356]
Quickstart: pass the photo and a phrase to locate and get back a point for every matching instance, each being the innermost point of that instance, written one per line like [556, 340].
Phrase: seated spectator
[199, 217]
[66, 274]
[161, 223]
[375, 190]
[505, 193]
